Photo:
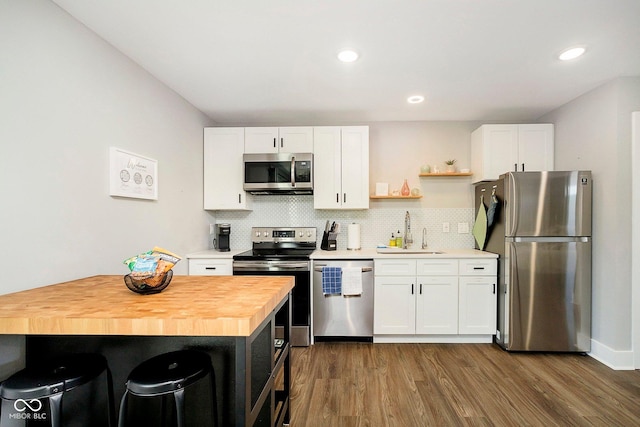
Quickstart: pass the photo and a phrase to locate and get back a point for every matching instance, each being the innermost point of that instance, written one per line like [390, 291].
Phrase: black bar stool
[152, 384]
[72, 390]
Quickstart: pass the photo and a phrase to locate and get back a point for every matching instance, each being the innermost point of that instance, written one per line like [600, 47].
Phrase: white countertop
[372, 253]
[214, 254]
[359, 254]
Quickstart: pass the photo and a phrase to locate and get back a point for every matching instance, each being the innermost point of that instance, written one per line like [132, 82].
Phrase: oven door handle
[301, 266]
[364, 269]
[293, 171]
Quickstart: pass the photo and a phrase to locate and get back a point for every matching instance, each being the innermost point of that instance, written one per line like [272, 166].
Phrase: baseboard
[433, 339]
[615, 359]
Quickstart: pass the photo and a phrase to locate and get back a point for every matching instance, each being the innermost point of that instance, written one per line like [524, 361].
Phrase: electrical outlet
[212, 228]
[445, 227]
[463, 228]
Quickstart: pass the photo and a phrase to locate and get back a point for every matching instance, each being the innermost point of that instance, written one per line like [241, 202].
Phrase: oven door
[300, 295]
[278, 173]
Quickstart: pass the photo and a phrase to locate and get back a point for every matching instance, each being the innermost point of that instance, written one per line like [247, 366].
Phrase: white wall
[593, 132]
[66, 96]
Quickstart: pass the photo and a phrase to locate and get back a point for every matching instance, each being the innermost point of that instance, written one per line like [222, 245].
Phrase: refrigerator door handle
[582, 239]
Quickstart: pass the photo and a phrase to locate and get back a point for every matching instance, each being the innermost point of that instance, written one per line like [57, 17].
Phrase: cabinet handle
[210, 268]
[420, 288]
[337, 197]
[523, 167]
[240, 198]
[412, 289]
[344, 198]
[515, 167]
[281, 142]
[274, 143]
[478, 268]
[494, 288]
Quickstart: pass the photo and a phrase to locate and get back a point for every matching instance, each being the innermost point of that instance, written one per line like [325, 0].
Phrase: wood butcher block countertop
[102, 305]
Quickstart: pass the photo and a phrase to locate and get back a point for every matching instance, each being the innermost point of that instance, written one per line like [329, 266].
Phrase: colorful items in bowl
[148, 285]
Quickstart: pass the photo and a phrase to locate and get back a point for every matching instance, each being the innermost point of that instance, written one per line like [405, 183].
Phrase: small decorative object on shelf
[425, 169]
[405, 191]
[415, 191]
[451, 168]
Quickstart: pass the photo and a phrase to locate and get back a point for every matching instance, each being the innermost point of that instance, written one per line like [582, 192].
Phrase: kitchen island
[232, 318]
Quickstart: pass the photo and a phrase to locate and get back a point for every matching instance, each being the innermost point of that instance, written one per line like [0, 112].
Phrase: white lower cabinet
[478, 298]
[434, 300]
[211, 267]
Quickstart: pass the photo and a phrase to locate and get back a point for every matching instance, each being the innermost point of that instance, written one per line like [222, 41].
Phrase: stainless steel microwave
[279, 173]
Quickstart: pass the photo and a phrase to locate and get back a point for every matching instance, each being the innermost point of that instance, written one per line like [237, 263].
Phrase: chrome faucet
[424, 238]
[408, 240]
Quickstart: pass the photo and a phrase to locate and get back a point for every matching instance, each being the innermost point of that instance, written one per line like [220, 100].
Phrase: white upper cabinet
[223, 169]
[496, 149]
[341, 167]
[296, 139]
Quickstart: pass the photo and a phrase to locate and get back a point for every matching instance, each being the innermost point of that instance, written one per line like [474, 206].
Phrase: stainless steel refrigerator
[541, 229]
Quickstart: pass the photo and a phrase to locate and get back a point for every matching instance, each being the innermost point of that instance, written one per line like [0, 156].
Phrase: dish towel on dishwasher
[331, 280]
[352, 281]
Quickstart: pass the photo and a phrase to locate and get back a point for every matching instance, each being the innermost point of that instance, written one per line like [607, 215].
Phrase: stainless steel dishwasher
[343, 317]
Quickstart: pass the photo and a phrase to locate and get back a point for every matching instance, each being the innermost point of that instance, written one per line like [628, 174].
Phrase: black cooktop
[275, 254]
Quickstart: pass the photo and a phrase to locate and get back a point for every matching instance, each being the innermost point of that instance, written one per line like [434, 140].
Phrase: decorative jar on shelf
[425, 169]
[405, 191]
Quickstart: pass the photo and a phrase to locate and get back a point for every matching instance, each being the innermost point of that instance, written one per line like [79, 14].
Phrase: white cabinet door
[355, 167]
[494, 150]
[477, 310]
[536, 147]
[211, 267]
[341, 167]
[296, 139]
[223, 174]
[394, 310]
[327, 170]
[261, 140]
[437, 305]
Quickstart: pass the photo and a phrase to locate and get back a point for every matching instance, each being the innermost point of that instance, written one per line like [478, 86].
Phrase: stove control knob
[265, 234]
[301, 234]
[257, 234]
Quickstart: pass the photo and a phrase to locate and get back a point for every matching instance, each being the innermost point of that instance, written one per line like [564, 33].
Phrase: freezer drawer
[545, 296]
[343, 316]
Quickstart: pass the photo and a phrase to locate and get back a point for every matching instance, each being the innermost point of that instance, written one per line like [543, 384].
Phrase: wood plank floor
[362, 384]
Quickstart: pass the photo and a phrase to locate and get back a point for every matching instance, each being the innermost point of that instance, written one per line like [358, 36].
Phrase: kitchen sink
[398, 251]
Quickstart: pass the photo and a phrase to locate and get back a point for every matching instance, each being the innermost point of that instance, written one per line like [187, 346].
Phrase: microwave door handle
[293, 171]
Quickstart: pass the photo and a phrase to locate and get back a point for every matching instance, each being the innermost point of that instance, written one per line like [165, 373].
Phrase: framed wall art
[132, 175]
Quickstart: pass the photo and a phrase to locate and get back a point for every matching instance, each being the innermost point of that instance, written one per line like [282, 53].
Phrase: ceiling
[274, 61]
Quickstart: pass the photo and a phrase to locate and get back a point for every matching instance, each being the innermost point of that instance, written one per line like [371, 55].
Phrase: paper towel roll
[353, 236]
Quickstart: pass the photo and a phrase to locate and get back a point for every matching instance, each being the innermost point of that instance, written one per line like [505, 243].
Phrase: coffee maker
[221, 237]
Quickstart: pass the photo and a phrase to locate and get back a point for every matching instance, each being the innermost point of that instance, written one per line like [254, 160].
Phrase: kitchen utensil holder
[328, 242]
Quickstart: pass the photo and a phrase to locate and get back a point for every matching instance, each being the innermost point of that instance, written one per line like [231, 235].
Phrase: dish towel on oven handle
[352, 281]
[331, 280]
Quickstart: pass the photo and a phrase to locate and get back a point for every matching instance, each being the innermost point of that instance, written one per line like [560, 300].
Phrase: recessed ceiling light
[572, 53]
[347, 55]
[415, 99]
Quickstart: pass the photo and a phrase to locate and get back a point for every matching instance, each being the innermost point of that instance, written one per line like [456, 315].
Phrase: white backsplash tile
[376, 223]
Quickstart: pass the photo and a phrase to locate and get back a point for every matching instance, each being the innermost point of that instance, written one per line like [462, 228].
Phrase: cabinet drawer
[210, 267]
[437, 267]
[395, 267]
[478, 267]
